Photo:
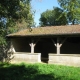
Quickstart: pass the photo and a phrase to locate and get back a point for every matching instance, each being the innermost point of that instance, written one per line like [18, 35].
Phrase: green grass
[38, 72]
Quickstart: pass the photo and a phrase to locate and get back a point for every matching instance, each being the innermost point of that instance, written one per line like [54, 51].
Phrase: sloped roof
[49, 30]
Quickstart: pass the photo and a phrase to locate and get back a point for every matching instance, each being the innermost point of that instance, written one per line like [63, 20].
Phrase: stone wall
[65, 59]
[26, 57]
[62, 59]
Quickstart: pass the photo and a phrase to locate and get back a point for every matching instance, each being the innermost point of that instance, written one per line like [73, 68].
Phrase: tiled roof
[49, 30]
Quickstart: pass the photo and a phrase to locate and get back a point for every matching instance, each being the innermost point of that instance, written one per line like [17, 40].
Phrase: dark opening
[44, 57]
[45, 46]
[21, 44]
[71, 46]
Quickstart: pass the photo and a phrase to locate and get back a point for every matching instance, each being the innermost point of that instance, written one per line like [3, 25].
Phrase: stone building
[50, 44]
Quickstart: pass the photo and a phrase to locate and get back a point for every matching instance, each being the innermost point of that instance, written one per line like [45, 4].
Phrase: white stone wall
[65, 59]
[61, 59]
[26, 57]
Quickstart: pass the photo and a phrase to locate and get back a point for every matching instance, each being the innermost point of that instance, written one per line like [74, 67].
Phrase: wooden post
[32, 45]
[58, 46]
[11, 48]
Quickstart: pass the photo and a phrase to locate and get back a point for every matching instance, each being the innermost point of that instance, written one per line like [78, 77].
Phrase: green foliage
[14, 15]
[38, 72]
[69, 12]
[2, 33]
[53, 17]
[71, 9]
[17, 11]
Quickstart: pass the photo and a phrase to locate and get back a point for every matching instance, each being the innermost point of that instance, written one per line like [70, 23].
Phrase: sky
[40, 6]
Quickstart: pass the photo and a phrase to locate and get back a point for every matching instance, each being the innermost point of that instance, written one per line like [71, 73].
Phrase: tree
[53, 17]
[71, 9]
[16, 12]
[14, 15]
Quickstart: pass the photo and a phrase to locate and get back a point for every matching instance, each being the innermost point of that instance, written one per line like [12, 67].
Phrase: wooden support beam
[58, 46]
[32, 45]
[63, 41]
[11, 49]
[37, 41]
[53, 42]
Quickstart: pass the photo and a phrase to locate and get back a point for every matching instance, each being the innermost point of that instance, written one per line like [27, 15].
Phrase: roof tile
[49, 30]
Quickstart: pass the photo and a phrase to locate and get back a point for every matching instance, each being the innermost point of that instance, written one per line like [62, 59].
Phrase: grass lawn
[38, 72]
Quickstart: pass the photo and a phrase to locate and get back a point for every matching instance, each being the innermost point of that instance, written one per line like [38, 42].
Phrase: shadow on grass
[45, 77]
[24, 72]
